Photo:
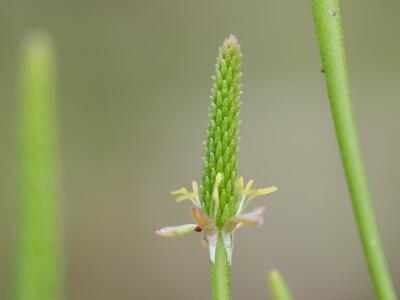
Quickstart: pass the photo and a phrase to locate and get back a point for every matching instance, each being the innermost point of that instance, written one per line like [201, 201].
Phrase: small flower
[207, 226]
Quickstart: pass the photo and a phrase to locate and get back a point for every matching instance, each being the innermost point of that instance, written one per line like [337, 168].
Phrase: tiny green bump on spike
[221, 147]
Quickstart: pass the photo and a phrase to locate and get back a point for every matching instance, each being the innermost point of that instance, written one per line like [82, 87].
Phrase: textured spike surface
[221, 147]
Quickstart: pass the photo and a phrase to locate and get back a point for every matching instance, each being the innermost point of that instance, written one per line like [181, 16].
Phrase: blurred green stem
[37, 253]
[327, 19]
[220, 274]
[279, 289]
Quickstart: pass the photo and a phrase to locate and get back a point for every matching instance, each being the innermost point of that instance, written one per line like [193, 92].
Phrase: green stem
[221, 274]
[327, 21]
[278, 286]
[37, 249]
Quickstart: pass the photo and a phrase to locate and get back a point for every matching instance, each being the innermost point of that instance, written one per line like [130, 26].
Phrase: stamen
[215, 195]
[248, 187]
[180, 191]
[188, 196]
[240, 184]
[195, 187]
[247, 194]
[262, 192]
[184, 194]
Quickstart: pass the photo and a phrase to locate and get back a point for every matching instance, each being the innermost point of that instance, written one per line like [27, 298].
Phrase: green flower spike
[219, 205]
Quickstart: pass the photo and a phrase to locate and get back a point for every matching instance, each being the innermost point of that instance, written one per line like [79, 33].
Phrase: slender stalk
[220, 274]
[279, 289]
[327, 19]
[37, 253]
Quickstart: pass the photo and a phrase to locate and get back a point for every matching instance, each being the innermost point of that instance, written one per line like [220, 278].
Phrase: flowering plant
[219, 204]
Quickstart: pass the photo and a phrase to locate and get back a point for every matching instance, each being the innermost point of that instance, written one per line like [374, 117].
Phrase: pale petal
[212, 246]
[176, 231]
[207, 226]
[254, 218]
[227, 238]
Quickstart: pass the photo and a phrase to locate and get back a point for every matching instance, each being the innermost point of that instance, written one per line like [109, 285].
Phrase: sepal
[253, 218]
[207, 226]
[176, 231]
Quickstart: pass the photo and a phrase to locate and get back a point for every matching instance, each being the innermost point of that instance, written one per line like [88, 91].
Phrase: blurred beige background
[134, 81]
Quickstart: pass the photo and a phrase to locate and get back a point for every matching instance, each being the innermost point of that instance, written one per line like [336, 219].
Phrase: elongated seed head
[221, 147]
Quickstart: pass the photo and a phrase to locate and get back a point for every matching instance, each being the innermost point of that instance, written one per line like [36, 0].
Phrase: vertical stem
[37, 253]
[327, 21]
[221, 274]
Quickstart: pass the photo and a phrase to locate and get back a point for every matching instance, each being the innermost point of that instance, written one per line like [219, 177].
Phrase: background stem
[327, 21]
[37, 249]
[221, 274]
[278, 286]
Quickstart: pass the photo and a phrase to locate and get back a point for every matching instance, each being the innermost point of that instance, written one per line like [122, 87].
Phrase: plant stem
[37, 249]
[220, 274]
[279, 289]
[327, 21]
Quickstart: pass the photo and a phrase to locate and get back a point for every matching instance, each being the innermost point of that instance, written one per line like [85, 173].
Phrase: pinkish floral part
[176, 231]
[253, 218]
[207, 226]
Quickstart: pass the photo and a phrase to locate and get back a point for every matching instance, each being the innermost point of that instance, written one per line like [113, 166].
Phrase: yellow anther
[188, 196]
[248, 187]
[195, 187]
[262, 192]
[180, 191]
[240, 184]
[215, 194]
[183, 194]
[218, 180]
